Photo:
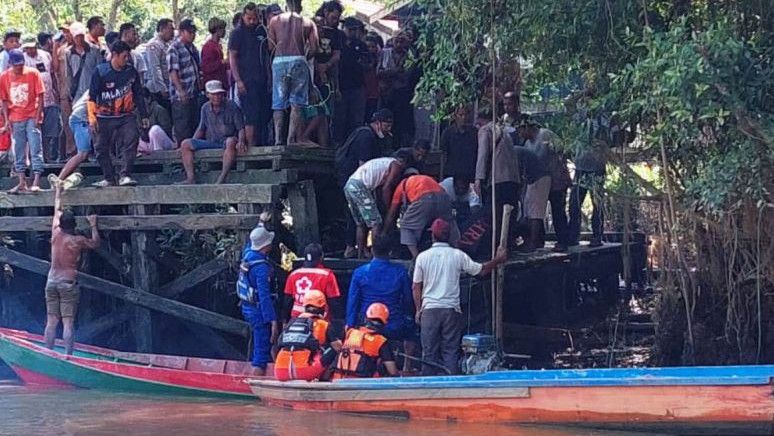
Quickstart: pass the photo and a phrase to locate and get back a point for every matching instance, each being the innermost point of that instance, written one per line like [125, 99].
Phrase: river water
[83, 412]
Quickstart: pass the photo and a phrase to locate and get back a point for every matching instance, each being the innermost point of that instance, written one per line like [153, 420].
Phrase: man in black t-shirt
[354, 59]
[250, 65]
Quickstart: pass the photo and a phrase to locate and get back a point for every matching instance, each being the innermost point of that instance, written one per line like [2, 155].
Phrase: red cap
[441, 230]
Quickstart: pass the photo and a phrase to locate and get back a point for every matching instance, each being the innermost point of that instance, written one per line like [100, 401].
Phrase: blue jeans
[81, 133]
[27, 133]
[261, 335]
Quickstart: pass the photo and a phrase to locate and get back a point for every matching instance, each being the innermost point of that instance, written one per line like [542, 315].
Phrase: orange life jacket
[359, 355]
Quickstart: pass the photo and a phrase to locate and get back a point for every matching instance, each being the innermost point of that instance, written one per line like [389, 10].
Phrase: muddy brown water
[82, 412]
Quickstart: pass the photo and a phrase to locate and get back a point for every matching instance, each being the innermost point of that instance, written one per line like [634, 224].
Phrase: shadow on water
[83, 412]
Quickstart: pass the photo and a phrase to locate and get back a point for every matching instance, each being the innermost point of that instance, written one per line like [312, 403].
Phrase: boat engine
[480, 354]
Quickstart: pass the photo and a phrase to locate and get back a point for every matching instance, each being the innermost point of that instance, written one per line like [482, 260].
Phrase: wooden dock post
[144, 278]
[303, 208]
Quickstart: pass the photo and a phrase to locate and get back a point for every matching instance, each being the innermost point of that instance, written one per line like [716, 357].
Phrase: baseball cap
[353, 23]
[77, 28]
[272, 9]
[313, 253]
[214, 87]
[29, 43]
[384, 115]
[187, 24]
[15, 57]
[260, 237]
[441, 229]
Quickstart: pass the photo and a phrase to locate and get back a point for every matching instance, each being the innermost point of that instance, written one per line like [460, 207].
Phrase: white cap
[260, 237]
[77, 28]
[214, 87]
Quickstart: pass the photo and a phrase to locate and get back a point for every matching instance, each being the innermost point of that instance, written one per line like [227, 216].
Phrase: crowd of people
[90, 92]
[286, 79]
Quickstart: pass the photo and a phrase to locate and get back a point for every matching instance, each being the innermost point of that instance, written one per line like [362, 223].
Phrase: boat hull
[624, 402]
[38, 366]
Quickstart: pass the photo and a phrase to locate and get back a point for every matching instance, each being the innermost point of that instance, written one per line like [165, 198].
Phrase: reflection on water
[83, 412]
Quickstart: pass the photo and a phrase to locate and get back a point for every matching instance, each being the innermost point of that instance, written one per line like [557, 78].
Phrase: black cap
[382, 115]
[313, 254]
[11, 33]
[187, 24]
[43, 37]
[352, 23]
[273, 8]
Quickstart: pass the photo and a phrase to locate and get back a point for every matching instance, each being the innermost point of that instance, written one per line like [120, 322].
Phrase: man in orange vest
[307, 346]
[364, 349]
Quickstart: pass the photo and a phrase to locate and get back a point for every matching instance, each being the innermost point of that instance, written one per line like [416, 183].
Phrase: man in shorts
[293, 39]
[62, 293]
[221, 128]
[382, 175]
[423, 201]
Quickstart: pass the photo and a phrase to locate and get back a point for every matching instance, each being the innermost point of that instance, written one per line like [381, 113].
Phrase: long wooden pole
[493, 54]
[505, 227]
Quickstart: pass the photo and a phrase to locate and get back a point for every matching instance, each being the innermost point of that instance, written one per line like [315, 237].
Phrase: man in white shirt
[437, 295]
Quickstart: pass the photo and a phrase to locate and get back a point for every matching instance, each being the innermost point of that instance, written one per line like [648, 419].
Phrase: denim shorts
[290, 82]
[203, 144]
[81, 134]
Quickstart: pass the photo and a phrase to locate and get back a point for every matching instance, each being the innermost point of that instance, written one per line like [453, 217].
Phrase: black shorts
[255, 104]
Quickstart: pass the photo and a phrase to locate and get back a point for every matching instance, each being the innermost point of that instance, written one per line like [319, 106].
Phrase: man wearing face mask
[363, 144]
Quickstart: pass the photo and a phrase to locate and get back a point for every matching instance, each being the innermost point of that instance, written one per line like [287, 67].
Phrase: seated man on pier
[62, 293]
[307, 344]
[221, 128]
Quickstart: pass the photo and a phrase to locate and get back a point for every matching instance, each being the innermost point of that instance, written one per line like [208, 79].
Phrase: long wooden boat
[739, 396]
[100, 368]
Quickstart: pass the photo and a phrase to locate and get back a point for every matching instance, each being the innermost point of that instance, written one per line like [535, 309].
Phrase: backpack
[343, 152]
[299, 334]
[245, 291]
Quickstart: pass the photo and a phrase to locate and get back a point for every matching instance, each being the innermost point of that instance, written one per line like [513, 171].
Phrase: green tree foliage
[695, 80]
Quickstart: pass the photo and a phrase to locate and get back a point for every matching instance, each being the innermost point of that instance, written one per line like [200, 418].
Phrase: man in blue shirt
[382, 281]
[260, 315]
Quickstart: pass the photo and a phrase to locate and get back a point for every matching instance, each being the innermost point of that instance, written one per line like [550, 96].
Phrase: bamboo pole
[505, 227]
[493, 55]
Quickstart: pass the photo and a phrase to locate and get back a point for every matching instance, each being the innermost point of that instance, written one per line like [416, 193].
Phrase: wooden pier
[141, 294]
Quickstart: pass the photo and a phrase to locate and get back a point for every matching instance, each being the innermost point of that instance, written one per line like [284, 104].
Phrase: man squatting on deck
[62, 293]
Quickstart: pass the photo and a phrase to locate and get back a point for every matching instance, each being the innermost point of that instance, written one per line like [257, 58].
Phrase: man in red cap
[437, 296]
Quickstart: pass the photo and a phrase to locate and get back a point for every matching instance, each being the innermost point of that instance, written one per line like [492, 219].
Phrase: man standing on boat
[254, 291]
[62, 293]
[437, 295]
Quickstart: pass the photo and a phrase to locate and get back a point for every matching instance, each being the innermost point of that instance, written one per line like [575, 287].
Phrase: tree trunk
[115, 6]
[176, 11]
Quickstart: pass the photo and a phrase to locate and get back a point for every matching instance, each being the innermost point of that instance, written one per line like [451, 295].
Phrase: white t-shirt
[42, 63]
[470, 197]
[439, 269]
[373, 172]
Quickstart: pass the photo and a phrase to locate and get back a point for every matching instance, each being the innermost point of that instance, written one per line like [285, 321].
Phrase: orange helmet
[378, 311]
[316, 299]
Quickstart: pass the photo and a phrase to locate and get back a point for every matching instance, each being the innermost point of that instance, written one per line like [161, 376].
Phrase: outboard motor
[480, 353]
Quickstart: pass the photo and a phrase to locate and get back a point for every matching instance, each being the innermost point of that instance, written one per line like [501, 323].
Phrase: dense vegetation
[694, 81]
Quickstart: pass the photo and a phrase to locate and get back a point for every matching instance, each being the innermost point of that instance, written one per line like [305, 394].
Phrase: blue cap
[15, 57]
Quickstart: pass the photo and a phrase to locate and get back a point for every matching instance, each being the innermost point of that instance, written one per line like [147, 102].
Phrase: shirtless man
[294, 40]
[62, 293]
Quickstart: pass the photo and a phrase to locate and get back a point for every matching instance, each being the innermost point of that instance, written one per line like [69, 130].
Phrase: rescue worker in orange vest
[365, 349]
[307, 346]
